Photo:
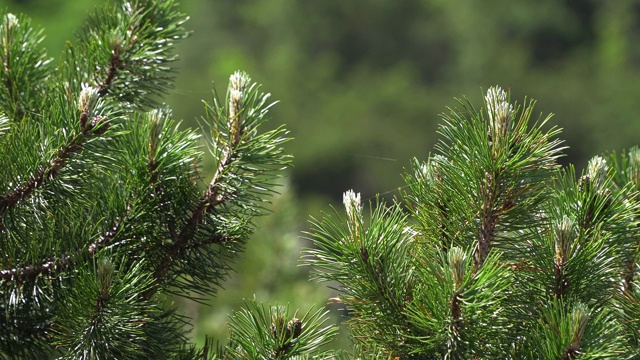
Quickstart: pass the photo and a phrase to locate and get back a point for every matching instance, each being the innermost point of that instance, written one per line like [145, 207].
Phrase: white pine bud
[499, 110]
[88, 98]
[597, 170]
[12, 21]
[352, 204]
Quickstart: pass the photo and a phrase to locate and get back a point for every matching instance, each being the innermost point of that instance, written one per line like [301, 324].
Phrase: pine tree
[104, 211]
[493, 251]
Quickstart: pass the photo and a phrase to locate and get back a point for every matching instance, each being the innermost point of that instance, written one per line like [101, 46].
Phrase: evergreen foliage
[495, 251]
[104, 214]
[260, 333]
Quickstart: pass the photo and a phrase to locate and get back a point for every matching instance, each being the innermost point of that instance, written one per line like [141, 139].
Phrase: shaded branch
[455, 306]
[115, 64]
[75, 145]
[60, 158]
[560, 282]
[33, 271]
[210, 200]
[488, 221]
[43, 174]
[62, 263]
[214, 195]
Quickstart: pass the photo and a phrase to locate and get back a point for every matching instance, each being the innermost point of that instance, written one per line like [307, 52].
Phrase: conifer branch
[560, 283]
[209, 201]
[489, 219]
[90, 126]
[172, 236]
[456, 313]
[500, 114]
[236, 142]
[180, 244]
[23, 65]
[115, 65]
[628, 276]
[45, 172]
[7, 40]
[116, 61]
[33, 271]
[63, 263]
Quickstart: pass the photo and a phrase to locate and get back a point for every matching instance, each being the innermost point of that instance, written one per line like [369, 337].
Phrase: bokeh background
[361, 85]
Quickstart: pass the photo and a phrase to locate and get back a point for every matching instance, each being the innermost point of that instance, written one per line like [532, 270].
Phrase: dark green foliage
[382, 273]
[25, 66]
[104, 211]
[499, 252]
[274, 333]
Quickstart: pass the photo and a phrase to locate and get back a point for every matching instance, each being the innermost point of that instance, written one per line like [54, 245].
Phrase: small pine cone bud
[564, 233]
[155, 131]
[235, 104]
[238, 83]
[235, 107]
[580, 315]
[584, 183]
[277, 326]
[352, 204]
[99, 124]
[294, 328]
[105, 278]
[457, 263]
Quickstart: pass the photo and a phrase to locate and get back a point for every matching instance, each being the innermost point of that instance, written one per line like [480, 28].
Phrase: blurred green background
[362, 83]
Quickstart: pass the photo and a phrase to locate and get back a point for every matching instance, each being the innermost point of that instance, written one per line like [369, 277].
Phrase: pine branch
[87, 290]
[246, 159]
[89, 97]
[139, 37]
[65, 262]
[626, 175]
[58, 161]
[489, 218]
[373, 267]
[273, 333]
[89, 127]
[497, 162]
[115, 65]
[24, 66]
[209, 201]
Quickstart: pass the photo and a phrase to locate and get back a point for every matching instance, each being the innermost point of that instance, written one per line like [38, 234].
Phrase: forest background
[361, 85]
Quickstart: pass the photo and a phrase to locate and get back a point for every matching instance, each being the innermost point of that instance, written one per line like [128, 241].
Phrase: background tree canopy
[361, 85]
